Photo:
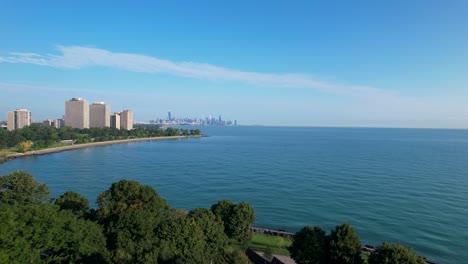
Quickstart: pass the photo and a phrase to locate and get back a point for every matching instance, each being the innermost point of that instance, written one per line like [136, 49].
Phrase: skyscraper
[99, 115]
[169, 116]
[77, 113]
[126, 119]
[18, 119]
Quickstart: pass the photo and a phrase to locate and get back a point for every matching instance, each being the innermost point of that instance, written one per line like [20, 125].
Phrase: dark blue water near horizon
[396, 185]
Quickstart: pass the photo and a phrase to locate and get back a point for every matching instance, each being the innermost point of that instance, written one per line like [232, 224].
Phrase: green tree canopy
[344, 246]
[394, 254]
[237, 218]
[35, 232]
[309, 245]
[74, 202]
[125, 195]
[20, 187]
[182, 241]
[212, 228]
[131, 213]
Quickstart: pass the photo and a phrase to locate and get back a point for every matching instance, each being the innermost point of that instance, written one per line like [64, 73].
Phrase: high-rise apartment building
[77, 113]
[126, 119]
[99, 115]
[58, 123]
[115, 120]
[18, 119]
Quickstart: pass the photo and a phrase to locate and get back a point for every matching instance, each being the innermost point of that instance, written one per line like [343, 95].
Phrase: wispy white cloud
[76, 57]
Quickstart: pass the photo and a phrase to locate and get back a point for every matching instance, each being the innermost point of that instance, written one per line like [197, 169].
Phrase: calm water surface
[407, 185]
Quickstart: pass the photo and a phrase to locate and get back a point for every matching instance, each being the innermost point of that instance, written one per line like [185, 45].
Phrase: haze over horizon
[301, 63]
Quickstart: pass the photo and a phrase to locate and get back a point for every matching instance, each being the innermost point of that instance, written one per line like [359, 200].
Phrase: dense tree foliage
[133, 224]
[237, 219]
[74, 202]
[394, 254]
[31, 229]
[130, 214]
[38, 136]
[309, 246]
[35, 232]
[344, 245]
[182, 240]
[212, 228]
[20, 187]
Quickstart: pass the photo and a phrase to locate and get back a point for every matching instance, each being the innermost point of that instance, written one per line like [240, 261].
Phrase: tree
[212, 228]
[125, 195]
[243, 216]
[4, 135]
[344, 246]
[195, 132]
[131, 213]
[394, 254]
[20, 187]
[131, 237]
[24, 146]
[170, 131]
[223, 209]
[36, 233]
[309, 245]
[184, 132]
[237, 219]
[74, 202]
[182, 241]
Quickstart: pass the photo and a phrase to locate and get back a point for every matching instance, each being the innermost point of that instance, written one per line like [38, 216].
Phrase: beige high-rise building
[126, 119]
[18, 119]
[115, 120]
[99, 115]
[56, 123]
[77, 113]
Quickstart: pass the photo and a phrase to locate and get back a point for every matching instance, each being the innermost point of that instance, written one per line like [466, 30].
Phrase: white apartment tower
[77, 113]
[126, 120]
[99, 115]
[18, 119]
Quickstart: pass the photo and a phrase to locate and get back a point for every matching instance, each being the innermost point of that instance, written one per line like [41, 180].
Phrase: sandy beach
[87, 145]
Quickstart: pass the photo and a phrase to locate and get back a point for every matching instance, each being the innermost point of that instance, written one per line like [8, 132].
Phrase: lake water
[406, 185]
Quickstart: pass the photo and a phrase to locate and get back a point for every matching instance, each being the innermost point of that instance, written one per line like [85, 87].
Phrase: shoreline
[88, 145]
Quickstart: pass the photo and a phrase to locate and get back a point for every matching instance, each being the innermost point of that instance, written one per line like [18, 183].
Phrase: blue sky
[307, 63]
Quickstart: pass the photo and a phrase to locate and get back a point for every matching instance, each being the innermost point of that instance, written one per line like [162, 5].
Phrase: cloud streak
[77, 57]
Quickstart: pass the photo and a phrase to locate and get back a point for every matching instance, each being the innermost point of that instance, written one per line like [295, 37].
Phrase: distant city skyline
[80, 113]
[179, 120]
[301, 63]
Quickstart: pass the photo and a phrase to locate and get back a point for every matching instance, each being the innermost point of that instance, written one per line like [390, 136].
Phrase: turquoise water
[407, 185]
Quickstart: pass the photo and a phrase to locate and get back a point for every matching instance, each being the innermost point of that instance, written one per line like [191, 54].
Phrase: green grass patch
[279, 245]
[59, 144]
[7, 151]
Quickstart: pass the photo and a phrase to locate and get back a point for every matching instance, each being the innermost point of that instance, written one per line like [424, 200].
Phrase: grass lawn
[8, 151]
[260, 242]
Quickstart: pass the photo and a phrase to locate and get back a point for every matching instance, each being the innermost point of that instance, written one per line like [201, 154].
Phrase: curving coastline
[87, 145]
